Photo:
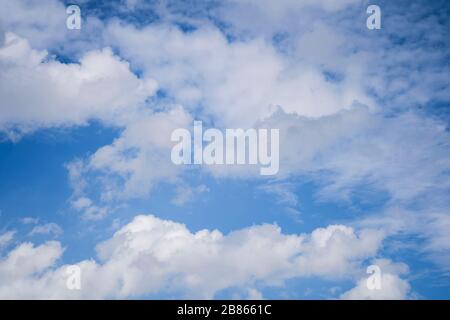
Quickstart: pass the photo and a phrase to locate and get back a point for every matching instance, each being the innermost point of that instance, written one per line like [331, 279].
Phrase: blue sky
[86, 177]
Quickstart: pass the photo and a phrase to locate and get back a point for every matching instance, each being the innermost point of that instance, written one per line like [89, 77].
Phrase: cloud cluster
[39, 92]
[135, 161]
[150, 256]
[243, 81]
[392, 286]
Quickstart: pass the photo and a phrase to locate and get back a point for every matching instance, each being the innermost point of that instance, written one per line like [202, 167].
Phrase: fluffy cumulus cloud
[232, 87]
[138, 159]
[150, 255]
[40, 22]
[100, 87]
[391, 285]
[22, 264]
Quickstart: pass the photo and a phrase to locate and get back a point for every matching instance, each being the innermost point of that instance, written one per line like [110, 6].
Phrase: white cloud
[284, 6]
[283, 17]
[283, 191]
[29, 220]
[43, 21]
[357, 147]
[392, 286]
[47, 229]
[150, 255]
[89, 210]
[25, 262]
[40, 92]
[337, 250]
[430, 223]
[81, 203]
[242, 82]
[140, 157]
[6, 237]
[185, 194]
[284, 195]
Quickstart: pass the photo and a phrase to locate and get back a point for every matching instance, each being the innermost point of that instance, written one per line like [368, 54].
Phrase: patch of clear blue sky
[34, 180]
